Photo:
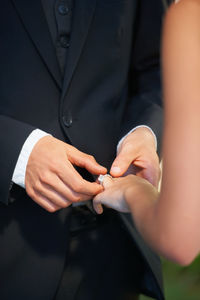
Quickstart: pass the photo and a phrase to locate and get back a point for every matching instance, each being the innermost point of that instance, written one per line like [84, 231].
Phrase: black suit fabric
[111, 84]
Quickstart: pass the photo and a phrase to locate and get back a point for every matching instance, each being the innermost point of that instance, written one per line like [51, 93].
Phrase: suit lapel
[32, 16]
[82, 17]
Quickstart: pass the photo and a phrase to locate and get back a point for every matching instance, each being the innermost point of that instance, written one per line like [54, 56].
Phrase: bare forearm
[144, 206]
[166, 225]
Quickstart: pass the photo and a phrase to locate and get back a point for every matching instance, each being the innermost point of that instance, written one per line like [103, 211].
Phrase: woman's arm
[170, 222]
[177, 213]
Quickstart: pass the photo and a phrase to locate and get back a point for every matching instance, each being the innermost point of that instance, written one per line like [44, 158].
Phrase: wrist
[21, 164]
[147, 136]
[141, 197]
[142, 138]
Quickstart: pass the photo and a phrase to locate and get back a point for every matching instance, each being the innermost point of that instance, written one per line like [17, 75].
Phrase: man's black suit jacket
[111, 84]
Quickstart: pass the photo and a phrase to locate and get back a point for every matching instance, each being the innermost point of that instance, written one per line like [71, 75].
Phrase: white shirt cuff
[20, 168]
[140, 126]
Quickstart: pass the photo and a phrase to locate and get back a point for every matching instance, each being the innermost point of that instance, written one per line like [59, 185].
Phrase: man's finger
[88, 162]
[45, 202]
[148, 171]
[73, 179]
[64, 191]
[121, 164]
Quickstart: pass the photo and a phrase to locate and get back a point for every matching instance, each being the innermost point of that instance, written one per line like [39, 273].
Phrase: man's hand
[137, 155]
[52, 181]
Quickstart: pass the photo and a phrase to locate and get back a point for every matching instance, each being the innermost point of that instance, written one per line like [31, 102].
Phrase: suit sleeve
[144, 106]
[12, 137]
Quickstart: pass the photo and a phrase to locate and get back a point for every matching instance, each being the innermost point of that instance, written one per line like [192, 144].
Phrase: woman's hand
[121, 193]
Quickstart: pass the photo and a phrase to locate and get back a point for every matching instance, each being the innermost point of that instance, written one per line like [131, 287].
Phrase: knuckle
[62, 202]
[37, 185]
[30, 193]
[53, 162]
[91, 157]
[78, 187]
[75, 198]
[88, 159]
[59, 171]
[56, 165]
[53, 168]
[44, 177]
[66, 203]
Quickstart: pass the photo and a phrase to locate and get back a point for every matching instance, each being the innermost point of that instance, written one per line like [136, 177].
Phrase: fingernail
[115, 170]
[99, 209]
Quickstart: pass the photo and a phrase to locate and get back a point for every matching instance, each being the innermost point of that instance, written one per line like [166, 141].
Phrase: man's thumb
[120, 165]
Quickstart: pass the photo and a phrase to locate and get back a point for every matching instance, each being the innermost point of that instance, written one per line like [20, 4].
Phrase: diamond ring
[102, 177]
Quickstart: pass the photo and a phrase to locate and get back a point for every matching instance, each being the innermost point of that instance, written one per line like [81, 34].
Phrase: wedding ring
[102, 177]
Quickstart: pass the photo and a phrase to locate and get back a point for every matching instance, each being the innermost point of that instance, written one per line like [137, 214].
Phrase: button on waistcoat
[59, 18]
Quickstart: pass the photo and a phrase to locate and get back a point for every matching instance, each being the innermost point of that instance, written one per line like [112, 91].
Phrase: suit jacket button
[64, 41]
[67, 121]
[63, 9]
